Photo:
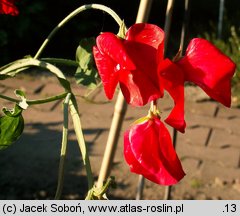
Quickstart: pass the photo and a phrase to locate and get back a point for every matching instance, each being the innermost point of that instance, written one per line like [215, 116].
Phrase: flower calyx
[122, 30]
[154, 114]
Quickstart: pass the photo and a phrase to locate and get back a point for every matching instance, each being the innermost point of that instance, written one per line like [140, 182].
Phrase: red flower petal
[144, 33]
[142, 43]
[140, 86]
[8, 7]
[110, 45]
[134, 165]
[172, 79]
[137, 88]
[107, 71]
[149, 152]
[209, 68]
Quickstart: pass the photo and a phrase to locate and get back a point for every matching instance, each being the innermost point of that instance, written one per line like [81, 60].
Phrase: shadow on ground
[29, 168]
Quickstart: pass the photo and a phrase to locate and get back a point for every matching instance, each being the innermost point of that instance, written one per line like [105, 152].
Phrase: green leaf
[11, 126]
[86, 73]
[87, 78]
[84, 52]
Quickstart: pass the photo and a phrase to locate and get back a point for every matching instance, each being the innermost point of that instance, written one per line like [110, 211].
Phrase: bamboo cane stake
[116, 125]
[140, 187]
[119, 112]
[185, 25]
[168, 189]
[220, 18]
[143, 11]
[168, 20]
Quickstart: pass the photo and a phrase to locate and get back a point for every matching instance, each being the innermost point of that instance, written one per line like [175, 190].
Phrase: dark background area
[22, 35]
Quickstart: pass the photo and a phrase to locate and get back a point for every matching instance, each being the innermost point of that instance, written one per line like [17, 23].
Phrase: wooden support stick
[113, 137]
[168, 21]
[119, 111]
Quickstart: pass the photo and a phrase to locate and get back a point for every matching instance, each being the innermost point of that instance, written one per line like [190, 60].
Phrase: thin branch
[38, 101]
[72, 15]
[167, 24]
[63, 148]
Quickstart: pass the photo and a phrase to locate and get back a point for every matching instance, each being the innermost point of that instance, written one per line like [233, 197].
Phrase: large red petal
[107, 71]
[134, 165]
[147, 34]
[209, 68]
[145, 59]
[168, 155]
[8, 7]
[149, 143]
[172, 79]
[142, 43]
[109, 44]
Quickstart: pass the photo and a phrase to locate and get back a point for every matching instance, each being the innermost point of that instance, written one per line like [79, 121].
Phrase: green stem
[9, 98]
[100, 192]
[13, 69]
[63, 148]
[67, 62]
[84, 151]
[72, 15]
[34, 102]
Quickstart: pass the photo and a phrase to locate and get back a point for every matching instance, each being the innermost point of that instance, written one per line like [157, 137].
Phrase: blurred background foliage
[23, 35]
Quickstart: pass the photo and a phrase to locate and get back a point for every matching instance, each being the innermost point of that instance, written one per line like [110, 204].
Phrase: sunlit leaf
[11, 126]
[86, 73]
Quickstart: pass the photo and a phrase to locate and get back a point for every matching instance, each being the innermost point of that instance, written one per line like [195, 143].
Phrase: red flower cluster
[137, 63]
[8, 7]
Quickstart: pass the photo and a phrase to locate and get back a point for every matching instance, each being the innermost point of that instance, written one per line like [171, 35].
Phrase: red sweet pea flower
[204, 65]
[8, 7]
[132, 62]
[209, 68]
[149, 151]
